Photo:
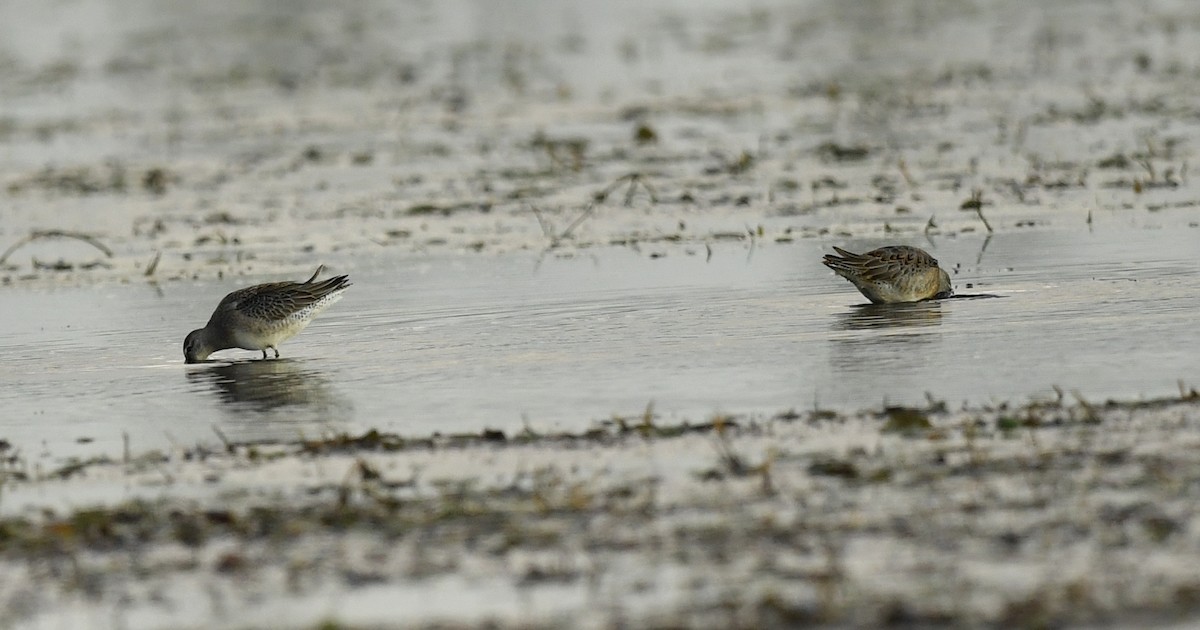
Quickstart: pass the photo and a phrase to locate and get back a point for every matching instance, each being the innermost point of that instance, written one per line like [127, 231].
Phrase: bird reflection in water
[277, 399]
[873, 316]
[887, 338]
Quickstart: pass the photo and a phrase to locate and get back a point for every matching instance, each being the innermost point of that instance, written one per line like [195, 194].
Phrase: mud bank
[1051, 513]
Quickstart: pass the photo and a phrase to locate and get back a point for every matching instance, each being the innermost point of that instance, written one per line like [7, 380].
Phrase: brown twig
[905, 174]
[548, 229]
[979, 211]
[976, 203]
[634, 180]
[153, 264]
[43, 234]
[587, 212]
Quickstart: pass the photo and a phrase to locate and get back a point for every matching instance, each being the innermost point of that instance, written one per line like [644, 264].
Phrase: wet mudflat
[591, 367]
[1055, 513]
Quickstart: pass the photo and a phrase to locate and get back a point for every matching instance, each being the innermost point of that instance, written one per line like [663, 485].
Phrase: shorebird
[896, 273]
[263, 316]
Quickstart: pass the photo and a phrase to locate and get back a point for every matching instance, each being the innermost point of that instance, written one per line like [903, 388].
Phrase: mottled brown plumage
[895, 273]
[263, 316]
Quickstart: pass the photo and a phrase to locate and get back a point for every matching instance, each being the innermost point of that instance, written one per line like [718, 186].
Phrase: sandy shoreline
[1045, 514]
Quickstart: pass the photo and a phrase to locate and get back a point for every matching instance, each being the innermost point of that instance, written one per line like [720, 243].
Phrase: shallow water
[563, 340]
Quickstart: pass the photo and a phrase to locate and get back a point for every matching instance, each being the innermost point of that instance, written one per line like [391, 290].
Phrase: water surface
[559, 341]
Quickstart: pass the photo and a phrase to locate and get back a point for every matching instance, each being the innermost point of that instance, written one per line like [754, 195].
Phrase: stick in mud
[44, 234]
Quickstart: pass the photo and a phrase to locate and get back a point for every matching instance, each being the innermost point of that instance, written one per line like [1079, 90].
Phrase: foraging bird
[896, 273]
[263, 316]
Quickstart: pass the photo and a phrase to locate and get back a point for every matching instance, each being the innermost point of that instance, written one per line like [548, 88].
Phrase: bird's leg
[264, 353]
[276, 351]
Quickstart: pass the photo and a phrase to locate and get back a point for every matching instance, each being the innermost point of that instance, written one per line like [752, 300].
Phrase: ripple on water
[561, 343]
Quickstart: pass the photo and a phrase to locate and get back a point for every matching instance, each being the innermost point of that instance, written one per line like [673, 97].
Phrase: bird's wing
[886, 264]
[893, 263]
[904, 255]
[278, 300]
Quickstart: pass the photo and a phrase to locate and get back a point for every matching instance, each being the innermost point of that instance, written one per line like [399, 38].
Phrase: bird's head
[196, 347]
[944, 288]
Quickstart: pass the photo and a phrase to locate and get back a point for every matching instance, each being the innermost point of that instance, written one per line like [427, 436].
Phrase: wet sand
[180, 148]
